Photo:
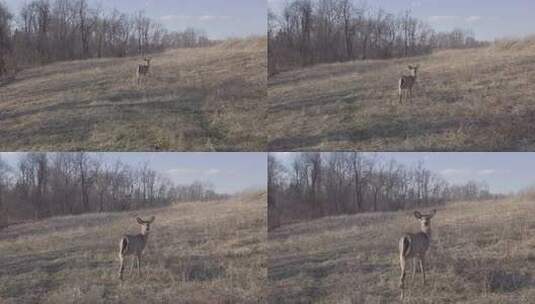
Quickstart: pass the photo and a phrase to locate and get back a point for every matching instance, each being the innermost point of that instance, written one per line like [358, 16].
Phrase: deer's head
[145, 225]
[425, 219]
[147, 60]
[414, 69]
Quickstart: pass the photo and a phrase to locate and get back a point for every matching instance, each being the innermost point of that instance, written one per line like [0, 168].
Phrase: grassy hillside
[482, 252]
[197, 253]
[196, 99]
[475, 99]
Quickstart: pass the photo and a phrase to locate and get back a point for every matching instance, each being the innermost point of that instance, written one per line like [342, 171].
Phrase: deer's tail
[123, 245]
[404, 245]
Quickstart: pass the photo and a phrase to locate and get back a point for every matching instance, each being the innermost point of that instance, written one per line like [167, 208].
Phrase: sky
[228, 172]
[219, 18]
[489, 19]
[503, 172]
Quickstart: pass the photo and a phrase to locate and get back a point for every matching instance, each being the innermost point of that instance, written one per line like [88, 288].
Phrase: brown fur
[406, 82]
[134, 245]
[143, 69]
[414, 246]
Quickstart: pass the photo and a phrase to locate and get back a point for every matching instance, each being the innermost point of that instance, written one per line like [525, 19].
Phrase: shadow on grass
[322, 72]
[195, 268]
[22, 264]
[316, 101]
[490, 276]
[385, 129]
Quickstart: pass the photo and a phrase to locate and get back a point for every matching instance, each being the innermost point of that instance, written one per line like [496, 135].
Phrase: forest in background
[45, 31]
[315, 184]
[307, 32]
[49, 184]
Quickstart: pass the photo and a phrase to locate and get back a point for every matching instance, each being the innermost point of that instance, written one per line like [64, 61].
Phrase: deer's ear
[410, 67]
[417, 214]
[152, 218]
[139, 220]
[433, 213]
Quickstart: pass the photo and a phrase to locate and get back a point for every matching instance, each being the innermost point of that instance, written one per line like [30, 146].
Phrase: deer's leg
[139, 265]
[413, 269]
[422, 267]
[132, 265]
[402, 264]
[121, 268]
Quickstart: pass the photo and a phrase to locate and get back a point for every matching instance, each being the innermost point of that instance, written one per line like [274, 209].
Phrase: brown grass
[482, 252]
[476, 99]
[204, 99]
[516, 44]
[210, 252]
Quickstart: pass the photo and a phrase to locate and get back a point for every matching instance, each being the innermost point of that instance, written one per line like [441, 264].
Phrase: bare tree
[4, 184]
[320, 184]
[53, 30]
[307, 32]
[5, 38]
[47, 184]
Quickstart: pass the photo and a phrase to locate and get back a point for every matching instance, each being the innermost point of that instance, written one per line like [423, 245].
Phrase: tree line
[321, 184]
[307, 32]
[48, 184]
[45, 31]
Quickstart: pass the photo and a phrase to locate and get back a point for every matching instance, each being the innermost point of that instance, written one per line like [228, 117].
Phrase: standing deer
[134, 245]
[143, 69]
[414, 246]
[406, 82]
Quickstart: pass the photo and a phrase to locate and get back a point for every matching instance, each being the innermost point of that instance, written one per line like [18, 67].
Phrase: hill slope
[476, 99]
[197, 253]
[196, 99]
[482, 252]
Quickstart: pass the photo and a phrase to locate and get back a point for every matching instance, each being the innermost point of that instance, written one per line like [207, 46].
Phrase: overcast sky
[489, 19]
[228, 172]
[504, 172]
[219, 18]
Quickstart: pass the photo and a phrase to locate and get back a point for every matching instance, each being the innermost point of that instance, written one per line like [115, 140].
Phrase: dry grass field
[205, 99]
[464, 100]
[211, 252]
[482, 252]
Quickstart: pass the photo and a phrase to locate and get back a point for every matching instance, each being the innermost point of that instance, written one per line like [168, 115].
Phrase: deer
[143, 69]
[134, 245]
[414, 246]
[406, 82]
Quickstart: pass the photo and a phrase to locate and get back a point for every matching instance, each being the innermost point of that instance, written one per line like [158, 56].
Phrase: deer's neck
[427, 232]
[145, 234]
